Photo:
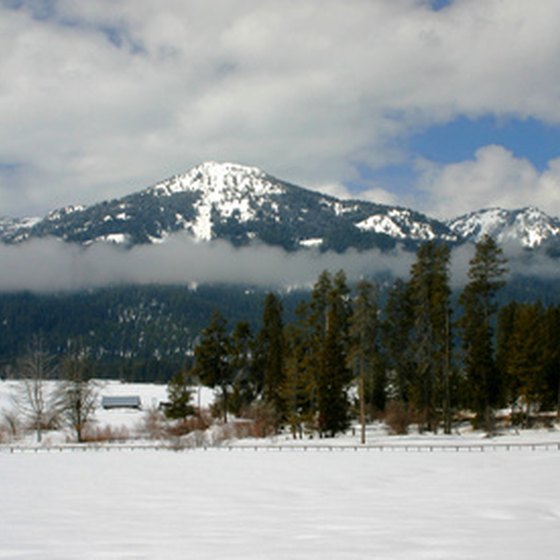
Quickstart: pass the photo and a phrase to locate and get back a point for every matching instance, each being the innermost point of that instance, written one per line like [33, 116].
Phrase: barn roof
[124, 401]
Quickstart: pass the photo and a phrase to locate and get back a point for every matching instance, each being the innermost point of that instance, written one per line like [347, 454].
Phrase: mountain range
[244, 205]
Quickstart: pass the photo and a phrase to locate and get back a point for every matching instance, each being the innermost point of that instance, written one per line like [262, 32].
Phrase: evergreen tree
[504, 344]
[334, 376]
[551, 358]
[363, 355]
[525, 364]
[396, 335]
[246, 384]
[430, 294]
[179, 395]
[212, 358]
[478, 299]
[270, 356]
[300, 388]
[316, 321]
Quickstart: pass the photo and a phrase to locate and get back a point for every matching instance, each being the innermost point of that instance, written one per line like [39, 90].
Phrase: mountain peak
[216, 168]
[220, 189]
[211, 176]
[529, 226]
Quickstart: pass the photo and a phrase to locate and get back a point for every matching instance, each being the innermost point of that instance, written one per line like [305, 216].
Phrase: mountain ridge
[243, 204]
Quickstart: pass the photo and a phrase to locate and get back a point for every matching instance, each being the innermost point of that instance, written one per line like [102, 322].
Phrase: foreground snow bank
[244, 505]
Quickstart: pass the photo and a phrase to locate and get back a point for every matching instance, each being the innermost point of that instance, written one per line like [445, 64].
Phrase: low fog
[50, 265]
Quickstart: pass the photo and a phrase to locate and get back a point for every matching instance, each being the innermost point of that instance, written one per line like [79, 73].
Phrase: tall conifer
[430, 294]
[212, 358]
[363, 355]
[478, 299]
[396, 334]
[270, 356]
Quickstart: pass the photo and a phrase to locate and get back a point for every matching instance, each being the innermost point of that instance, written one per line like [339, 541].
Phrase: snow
[226, 188]
[312, 242]
[220, 504]
[393, 223]
[158, 240]
[242, 503]
[117, 238]
[381, 224]
[528, 226]
[66, 211]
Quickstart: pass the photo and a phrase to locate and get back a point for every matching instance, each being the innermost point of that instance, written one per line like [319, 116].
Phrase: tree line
[349, 355]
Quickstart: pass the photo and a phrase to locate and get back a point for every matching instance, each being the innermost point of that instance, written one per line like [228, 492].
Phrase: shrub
[263, 421]
[398, 417]
[154, 424]
[95, 434]
[200, 422]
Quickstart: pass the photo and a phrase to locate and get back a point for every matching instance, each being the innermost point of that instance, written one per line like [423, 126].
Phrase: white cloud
[100, 98]
[494, 177]
[51, 265]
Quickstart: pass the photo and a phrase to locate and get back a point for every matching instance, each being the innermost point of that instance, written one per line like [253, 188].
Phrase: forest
[413, 358]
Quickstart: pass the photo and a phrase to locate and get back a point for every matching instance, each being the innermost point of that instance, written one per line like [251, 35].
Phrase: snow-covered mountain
[529, 227]
[240, 204]
[244, 204]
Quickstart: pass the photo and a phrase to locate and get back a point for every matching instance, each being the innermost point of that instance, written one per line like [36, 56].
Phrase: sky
[444, 106]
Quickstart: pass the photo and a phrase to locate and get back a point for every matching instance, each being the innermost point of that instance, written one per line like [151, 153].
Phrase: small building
[130, 401]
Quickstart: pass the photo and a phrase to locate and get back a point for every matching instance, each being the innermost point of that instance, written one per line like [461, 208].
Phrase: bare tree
[32, 398]
[77, 393]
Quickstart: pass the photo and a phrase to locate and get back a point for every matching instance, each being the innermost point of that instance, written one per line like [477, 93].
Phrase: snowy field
[268, 504]
[220, 504]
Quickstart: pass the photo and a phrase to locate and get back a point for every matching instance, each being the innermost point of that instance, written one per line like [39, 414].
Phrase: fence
[296, 447]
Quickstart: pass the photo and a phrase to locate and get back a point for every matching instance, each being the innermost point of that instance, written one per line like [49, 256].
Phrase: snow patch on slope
[399, 224]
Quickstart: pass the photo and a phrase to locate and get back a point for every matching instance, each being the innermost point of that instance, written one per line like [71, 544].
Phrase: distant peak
[530, 225]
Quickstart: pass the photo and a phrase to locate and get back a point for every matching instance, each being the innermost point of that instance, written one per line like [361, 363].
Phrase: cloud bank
[101, 98]
[50, 265]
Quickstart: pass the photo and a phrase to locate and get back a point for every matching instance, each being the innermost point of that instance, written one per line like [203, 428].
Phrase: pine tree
[551, 358]
[179, 396]
[334, 376]
[504, 344]
[300, 388]
[212, 358]
[270, 356]
[363, 356]
[525, 361]
[478, 299]
[396, 335]
[430, 294]
[316, 322]
[247, 385]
